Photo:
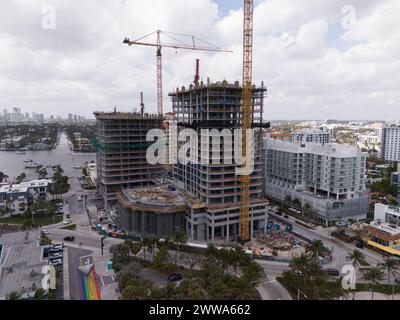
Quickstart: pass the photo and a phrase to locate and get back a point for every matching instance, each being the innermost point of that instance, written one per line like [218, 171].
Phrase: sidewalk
[365, 295]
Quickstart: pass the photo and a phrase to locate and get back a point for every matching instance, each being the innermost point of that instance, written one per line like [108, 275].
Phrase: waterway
[13, 164]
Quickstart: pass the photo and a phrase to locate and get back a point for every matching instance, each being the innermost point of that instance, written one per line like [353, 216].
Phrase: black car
[175, 277]
[69, 239]
[333, 272]
[360, 245]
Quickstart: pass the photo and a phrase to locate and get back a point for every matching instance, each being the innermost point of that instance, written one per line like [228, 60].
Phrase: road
[74, 255]
[270, 288]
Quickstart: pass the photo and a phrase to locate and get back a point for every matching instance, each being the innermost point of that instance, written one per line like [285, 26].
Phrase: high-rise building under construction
[216, 184]
[121, 152]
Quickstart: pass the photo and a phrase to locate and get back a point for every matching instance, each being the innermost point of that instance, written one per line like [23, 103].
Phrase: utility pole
[102, 244]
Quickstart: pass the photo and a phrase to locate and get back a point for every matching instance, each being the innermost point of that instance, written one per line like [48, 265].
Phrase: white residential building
[17, 197]
[330, 178]
[317, 135]
[387, 213]
[390, 143]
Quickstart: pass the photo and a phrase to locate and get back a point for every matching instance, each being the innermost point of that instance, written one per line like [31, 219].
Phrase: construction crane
[246, 116]
[179, 44]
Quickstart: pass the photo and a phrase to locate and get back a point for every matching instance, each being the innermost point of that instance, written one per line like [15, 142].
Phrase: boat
[20, 152]
[32, 165]
[28, 160]
[77, 167]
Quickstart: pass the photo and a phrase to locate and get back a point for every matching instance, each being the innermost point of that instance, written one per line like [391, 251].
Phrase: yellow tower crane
[178, 43]
[246, 116]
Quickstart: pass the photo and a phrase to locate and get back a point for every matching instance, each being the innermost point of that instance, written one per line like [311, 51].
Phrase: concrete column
[223, 231]
[207, 232]
[212, 233]
[251, 228]
[227, 233]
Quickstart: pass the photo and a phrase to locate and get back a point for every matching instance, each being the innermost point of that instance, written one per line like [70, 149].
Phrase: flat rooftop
[24, 186]
[22, 262]
[385, 227]
[127, 115]
[331, 149]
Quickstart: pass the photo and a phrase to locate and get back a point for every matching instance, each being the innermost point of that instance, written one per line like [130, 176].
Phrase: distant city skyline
[324, 61]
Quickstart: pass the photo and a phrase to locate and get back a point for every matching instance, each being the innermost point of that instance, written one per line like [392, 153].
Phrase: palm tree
[339, 290]
[357, 259]
[179, 238]
[145, 244]
[252, 273]
[374, 275]
[315, 248]
[391, 265]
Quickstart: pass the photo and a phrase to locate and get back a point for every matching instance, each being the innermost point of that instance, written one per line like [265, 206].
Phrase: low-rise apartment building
[15, 198]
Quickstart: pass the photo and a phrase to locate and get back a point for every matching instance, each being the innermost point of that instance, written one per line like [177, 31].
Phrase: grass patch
[71, 227]
[381, 288]
[39, 220]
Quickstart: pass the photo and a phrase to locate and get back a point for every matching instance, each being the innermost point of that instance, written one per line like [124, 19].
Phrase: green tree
[162, 257]
[146, 243]
[3, 177]
[21, 177]
[315, 248]
[391, 266]
[13, 296]
[179, 239]
[373, 276]
[39, 294]
[357, 259]
[252, 273]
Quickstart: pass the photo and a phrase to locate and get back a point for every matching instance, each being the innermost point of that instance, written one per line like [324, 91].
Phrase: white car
[56, 262]
[79, 198]
[44, 232]
[67, 221]
[56, 255]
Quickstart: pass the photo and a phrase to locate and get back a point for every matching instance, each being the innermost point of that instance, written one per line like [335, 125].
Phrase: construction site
[206, 199]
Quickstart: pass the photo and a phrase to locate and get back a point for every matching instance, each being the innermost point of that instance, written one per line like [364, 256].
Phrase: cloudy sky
[319, 59]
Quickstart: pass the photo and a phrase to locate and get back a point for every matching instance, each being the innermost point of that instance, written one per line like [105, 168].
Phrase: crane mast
[159, 75]
[177, 45]
[246, 116]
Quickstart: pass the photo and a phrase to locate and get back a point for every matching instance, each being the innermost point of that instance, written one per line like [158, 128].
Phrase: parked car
[286, 216]
[56, 255]
[397, 279]
[175, 277]
[333, 272]
[69, 238]
[56, 247]
[55, 262]
[44, 232]
[360, 245]
[79, 198]
[67, 221]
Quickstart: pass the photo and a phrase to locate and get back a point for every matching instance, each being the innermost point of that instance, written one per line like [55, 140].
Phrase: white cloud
[83, 65]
